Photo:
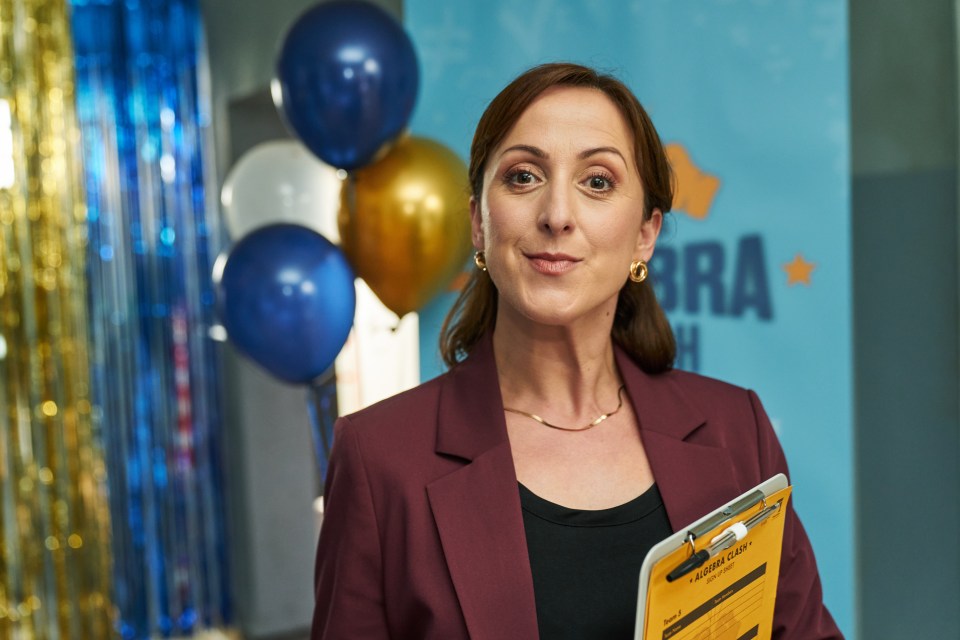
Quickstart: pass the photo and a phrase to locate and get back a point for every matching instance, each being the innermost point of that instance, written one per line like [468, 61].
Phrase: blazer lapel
[477, 507]
[693, 479]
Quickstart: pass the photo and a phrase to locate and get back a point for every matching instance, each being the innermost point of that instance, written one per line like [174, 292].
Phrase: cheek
[501, 223]
[618, 241]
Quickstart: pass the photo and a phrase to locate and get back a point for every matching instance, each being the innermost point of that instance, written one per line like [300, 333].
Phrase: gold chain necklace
[583, 428]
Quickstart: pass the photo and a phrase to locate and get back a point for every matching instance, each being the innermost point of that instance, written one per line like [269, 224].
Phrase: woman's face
[560, 217]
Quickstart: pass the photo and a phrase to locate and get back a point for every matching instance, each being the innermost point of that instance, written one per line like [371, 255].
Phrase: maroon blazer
[423, 536]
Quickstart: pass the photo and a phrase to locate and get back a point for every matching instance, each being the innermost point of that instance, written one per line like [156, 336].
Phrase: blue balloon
[287, 300]
[347, 76]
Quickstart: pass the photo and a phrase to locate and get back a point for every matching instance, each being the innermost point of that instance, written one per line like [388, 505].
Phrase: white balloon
[281, 181]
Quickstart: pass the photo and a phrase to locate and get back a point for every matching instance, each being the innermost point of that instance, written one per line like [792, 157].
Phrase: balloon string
[322, 407]
[349, 242]
[351, 187]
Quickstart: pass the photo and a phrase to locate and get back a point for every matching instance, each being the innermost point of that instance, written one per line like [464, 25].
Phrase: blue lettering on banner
[697, 279]
[751, 288]
[688, 346]
[703, 266]
[688, 276]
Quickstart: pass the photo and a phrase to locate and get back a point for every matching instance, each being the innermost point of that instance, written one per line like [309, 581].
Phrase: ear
[647, 238]
[476, 224]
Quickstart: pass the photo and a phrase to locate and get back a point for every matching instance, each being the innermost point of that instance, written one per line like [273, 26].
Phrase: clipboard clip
[728, 537]
[728, 513]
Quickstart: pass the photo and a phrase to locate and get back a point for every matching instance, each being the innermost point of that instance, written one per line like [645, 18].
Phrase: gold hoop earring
[638, 271]
[480, 260]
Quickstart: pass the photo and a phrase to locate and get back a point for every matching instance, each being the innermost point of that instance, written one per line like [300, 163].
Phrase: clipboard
[717, 578]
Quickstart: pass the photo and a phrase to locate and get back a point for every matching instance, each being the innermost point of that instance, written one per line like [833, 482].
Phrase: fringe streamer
[54, 521]
[142, 101]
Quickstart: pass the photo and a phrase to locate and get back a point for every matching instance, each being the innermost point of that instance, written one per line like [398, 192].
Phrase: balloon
[287, 300]
[281, 181]
[346, 81]
[404, 223]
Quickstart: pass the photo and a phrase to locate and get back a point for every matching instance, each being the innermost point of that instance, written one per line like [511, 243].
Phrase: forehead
[572, 116]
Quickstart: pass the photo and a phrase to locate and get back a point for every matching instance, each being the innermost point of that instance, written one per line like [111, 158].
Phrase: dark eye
[523, 177]
[518, 179]
[600, 182]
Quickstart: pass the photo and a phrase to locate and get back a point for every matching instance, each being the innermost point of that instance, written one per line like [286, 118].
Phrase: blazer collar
[659, 403]
[477, 507]
[470, 416]
[471, 396]
[693, 478]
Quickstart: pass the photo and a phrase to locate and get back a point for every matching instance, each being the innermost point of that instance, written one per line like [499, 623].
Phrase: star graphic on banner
[799, 270]
[695, 188]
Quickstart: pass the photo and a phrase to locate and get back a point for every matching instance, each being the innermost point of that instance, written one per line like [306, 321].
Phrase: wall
[905, 229]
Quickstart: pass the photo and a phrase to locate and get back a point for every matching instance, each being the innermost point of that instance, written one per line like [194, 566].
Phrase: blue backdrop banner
[753, 267]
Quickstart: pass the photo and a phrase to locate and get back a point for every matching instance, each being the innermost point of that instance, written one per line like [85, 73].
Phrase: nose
[556, 214]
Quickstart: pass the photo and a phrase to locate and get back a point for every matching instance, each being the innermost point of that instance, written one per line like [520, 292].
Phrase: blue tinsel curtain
[144, 118]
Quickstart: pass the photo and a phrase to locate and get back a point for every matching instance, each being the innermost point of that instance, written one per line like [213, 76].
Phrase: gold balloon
[405, 224]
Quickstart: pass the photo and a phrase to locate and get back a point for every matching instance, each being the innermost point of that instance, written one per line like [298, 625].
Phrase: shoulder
[399, 430]
[394, 442]
[677, 402]
[700, 384]
[396, 416]
[714, 412]
[417, 400]
[710, 394]
[681, 385]
[720, 400]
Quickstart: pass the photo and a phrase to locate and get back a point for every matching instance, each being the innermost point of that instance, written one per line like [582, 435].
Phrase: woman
[516, 495]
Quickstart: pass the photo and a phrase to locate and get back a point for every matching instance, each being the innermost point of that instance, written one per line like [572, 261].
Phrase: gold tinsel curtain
[54, 523]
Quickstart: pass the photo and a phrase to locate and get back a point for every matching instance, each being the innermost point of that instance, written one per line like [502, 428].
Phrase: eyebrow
[535, 151]
[583, 155]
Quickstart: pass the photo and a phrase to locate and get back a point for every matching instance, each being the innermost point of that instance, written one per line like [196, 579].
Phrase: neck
[570, 369]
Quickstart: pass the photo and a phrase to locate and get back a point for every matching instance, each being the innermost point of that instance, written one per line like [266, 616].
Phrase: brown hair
[640, 326]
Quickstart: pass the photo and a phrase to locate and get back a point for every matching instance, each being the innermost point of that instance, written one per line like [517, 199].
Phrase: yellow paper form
[729, 597]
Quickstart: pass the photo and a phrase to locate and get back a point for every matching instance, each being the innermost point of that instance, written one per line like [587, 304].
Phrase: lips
[552, 264]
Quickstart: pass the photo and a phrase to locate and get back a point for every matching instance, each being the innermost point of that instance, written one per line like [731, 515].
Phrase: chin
[549, 319]
[558, 310]
[555, 304]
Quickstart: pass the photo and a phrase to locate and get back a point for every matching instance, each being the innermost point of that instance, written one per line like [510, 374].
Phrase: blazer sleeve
[348, 575]
[799, 613]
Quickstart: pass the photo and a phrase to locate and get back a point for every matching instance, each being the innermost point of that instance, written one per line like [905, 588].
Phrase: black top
[586, 564]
